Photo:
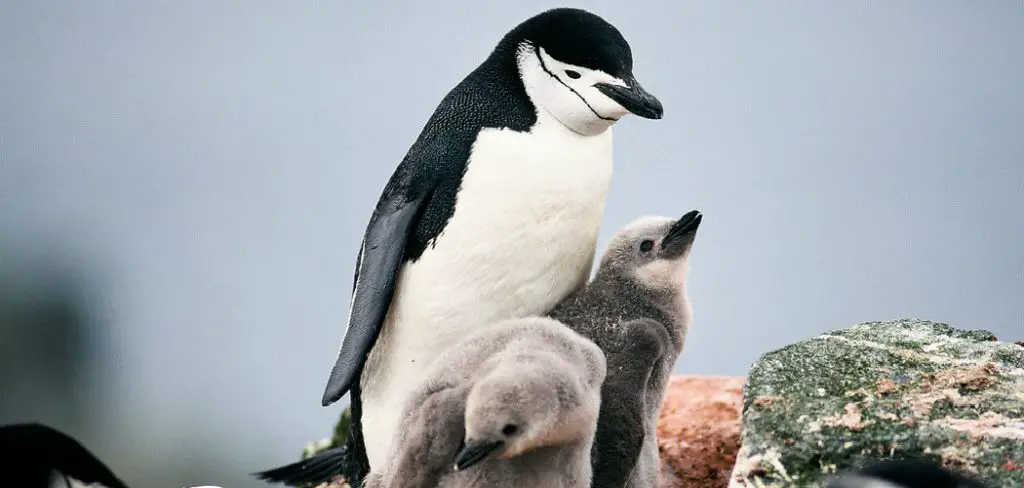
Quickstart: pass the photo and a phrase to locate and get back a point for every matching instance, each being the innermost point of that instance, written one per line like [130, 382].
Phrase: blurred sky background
[184, 185]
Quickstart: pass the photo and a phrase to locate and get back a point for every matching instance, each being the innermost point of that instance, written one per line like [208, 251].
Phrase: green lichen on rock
[879, 390]
[337, 439]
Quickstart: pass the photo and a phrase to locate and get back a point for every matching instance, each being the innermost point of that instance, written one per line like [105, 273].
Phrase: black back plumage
[33, 453]
[490, 96]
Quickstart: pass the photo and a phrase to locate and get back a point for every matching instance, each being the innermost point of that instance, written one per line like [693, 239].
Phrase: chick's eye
[509, 429]
[573, 74]
[646, 245]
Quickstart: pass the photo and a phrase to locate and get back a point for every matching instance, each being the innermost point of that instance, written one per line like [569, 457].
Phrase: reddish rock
[699, 431]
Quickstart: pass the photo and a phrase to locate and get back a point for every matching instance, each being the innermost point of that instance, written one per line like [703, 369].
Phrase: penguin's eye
[646, 245]
[509, 429]
[573, 74]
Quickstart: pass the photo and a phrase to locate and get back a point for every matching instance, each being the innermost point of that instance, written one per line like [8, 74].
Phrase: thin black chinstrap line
[536, 50]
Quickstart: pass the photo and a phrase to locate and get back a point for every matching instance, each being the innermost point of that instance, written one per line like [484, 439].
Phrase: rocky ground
[836, 401]
[699, 431]
[884, 389]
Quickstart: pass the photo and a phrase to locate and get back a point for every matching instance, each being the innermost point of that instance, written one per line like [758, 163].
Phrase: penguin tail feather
[322, 467]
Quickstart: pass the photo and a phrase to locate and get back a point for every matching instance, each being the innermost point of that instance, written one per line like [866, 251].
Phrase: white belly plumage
[522, 237]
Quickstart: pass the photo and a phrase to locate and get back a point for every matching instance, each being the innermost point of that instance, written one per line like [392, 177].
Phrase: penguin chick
[513, 405]
[516, 410]
[637, 311]
[35, 455]
[903, 473]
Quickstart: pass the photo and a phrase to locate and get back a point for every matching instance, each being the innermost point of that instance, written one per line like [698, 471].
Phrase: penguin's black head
[579, 69]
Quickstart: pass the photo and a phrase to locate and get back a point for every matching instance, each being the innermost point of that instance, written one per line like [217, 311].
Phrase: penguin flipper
[380, 258]
[29, 444]
[622, 421]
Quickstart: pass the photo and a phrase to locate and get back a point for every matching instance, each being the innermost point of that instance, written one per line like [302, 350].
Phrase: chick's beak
[474, 452]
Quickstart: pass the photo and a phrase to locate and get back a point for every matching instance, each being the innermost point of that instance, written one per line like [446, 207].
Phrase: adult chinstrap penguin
[494, 213]
[637, 311]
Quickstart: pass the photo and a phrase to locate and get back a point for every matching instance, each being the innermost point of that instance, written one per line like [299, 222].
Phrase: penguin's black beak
[474, 452]
[634, 98]
[680, 236]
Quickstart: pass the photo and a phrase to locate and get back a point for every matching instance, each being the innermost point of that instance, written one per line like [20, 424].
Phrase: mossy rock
[336, 440]
[897, 389]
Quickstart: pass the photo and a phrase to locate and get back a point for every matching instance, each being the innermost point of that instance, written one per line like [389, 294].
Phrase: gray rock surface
[884, 389]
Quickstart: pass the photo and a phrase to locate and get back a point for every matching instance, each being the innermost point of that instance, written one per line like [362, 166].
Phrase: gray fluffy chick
[512, 405]
[636, 310]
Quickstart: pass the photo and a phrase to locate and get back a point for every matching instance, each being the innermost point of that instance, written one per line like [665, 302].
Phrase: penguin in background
[493, 214]
[903, 473]
[35, 455]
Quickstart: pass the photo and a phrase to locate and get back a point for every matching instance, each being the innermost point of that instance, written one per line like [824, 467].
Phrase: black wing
[381, 255]
[631, 357]
[419, 200]
[33, 447]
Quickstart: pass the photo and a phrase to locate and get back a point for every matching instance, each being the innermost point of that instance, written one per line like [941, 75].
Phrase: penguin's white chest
[522, 237]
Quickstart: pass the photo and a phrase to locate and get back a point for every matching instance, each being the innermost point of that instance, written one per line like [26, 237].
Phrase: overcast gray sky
[211, 165]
